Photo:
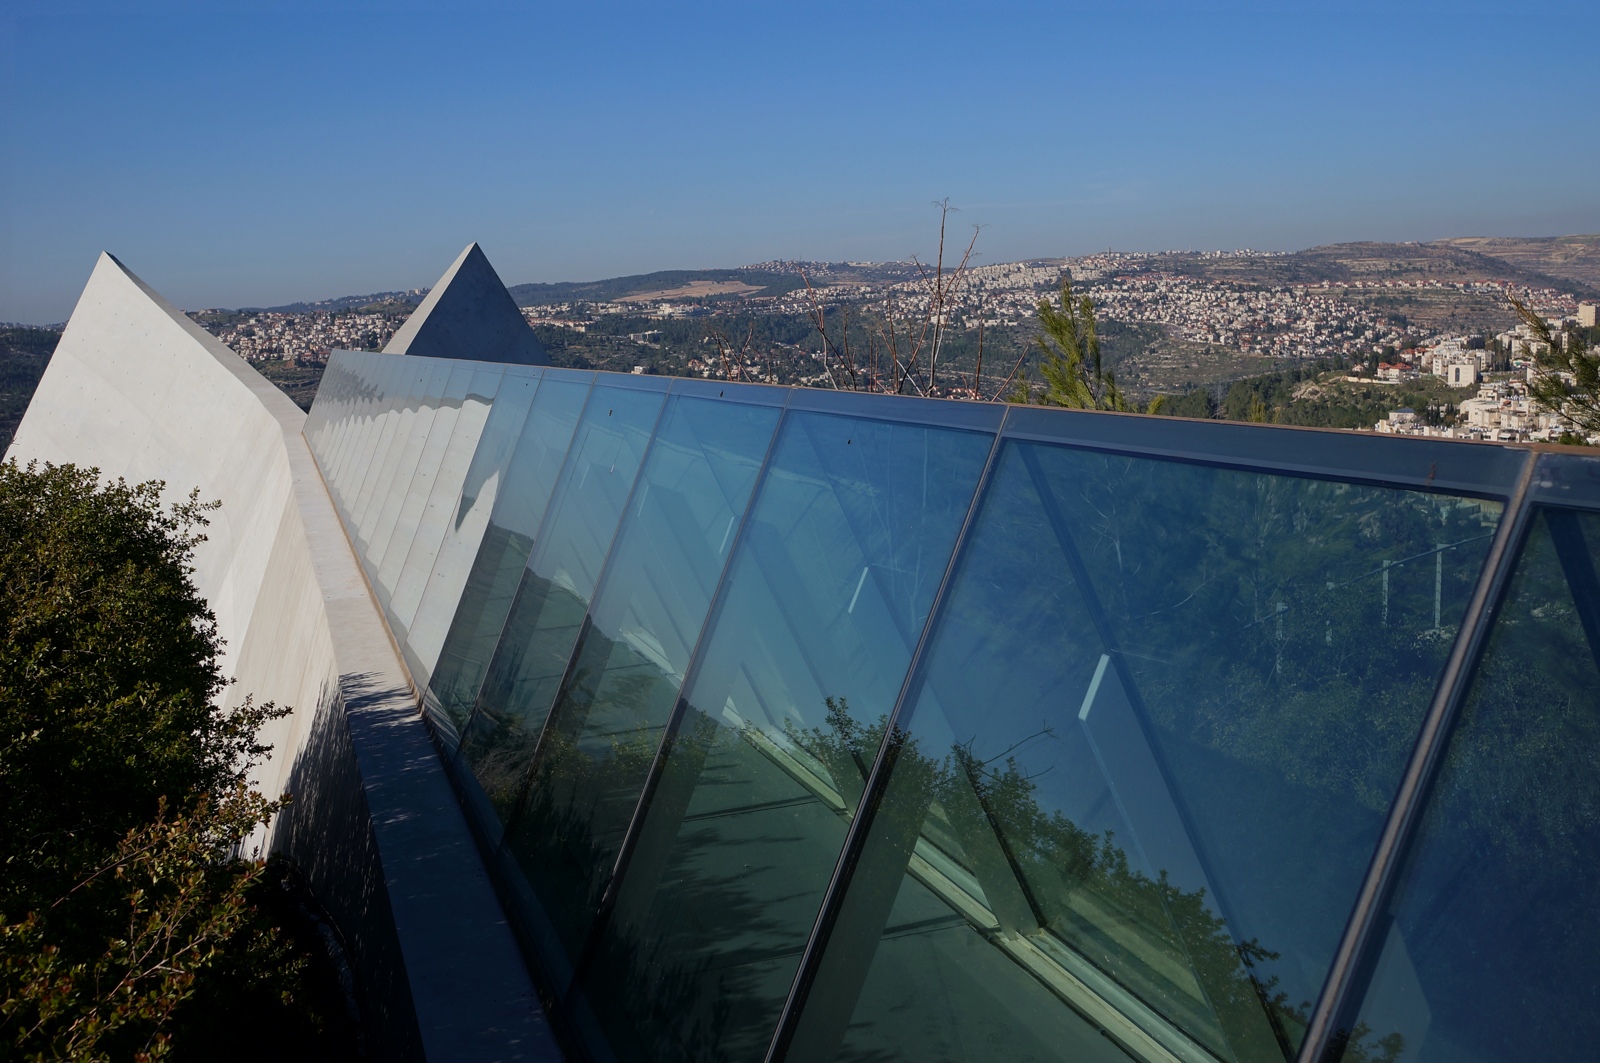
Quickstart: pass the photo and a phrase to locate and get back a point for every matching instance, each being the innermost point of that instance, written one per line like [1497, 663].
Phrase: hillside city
[1180, 327]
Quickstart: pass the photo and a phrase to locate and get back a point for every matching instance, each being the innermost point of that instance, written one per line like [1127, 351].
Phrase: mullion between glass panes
[588, 614]
[669, 732]
[544, 521]
[1351, 969]
[514, 843]
[794, 1007]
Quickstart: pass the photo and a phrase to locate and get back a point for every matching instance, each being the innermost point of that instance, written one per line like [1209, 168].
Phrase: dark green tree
[1070, 362]
[1566, 378]
[126, 910]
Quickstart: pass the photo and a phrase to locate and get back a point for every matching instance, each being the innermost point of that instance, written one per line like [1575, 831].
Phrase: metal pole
[1386, 593]
[1438, 582]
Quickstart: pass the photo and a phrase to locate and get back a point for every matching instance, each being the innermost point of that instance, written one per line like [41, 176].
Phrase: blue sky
[257, 153]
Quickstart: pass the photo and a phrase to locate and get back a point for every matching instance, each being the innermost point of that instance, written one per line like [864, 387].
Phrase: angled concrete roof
[138, 390]
[469, 314]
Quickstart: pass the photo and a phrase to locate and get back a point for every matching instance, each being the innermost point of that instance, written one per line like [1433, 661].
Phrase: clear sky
[257, 153]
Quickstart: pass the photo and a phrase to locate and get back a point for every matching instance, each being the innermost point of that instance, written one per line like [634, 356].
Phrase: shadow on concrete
[326, 833]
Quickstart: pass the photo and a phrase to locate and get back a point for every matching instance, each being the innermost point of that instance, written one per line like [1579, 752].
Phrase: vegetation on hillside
[133, 925]
[295, 378]
[1074, 373]
[24, 352]
[1567, 376]
[764, 282]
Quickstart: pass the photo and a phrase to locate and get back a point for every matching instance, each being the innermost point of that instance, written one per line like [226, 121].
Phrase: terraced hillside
[1572, 258]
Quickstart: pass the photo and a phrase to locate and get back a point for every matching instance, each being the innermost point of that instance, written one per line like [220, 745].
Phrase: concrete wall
[138, 390]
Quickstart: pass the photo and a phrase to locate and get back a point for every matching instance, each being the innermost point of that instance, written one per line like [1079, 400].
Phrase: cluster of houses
[1502, 409]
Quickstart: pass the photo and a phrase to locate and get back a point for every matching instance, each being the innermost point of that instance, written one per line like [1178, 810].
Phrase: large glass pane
[355, 451]
[556, 586]
[374, 446]
[392, 544]
[402, 379]
[417, 410]
[452, 529]
[634, 650]
[519, 508]
[1491, 952]
[1142, 770]
[826, 596]
[318, 417]
[339, 387]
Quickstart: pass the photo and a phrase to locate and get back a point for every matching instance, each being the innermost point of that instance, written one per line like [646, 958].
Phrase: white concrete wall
[139, 391]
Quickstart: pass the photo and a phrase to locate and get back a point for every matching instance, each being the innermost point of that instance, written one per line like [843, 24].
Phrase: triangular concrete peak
[469, 314]
[124, 347]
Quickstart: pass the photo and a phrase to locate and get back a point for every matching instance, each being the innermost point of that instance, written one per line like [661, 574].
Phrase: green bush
[128, 911]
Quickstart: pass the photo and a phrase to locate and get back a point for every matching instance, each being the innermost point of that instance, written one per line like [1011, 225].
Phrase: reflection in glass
[391, 540]
[394, 417]
[826, 595]
[366, 420]
[631, 659]
[452, 527]
[1491, 952]
[555, 588]
[342, 386]
[519, 508]
[417, 410]
[1144, 764]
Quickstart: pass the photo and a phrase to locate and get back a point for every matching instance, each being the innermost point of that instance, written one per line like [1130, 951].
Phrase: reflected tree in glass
[523, 493]
[1490, 952]
[614, 706]
[1155, 734]
[827, 593]
[555, 587]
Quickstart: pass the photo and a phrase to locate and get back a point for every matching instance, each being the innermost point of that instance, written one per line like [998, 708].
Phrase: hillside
[1575, 259]
[665, 284]
[375, 301]
[24, 352]
[1448, 261]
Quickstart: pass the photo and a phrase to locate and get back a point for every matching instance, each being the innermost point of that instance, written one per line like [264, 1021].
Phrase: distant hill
[1574, 258]
[665, 284]
[375, 301]
[1445, 261]
[24, 353]
[1570, 263]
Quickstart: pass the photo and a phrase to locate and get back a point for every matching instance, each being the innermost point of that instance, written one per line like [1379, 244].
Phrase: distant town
[1428, 326]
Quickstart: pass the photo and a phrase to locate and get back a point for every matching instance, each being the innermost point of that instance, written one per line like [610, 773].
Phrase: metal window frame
[1524, 477]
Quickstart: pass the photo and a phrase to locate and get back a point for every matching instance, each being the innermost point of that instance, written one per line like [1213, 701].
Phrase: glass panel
[366, 417]
[631, 658]
[826, 596]
[1491, 951]
[556, 587]
[519, 509]
[333, 455]
[317, 417]
[390, 550]
[370, 421]
[471, 423]
[404, 380]
[417, 409]
[337, 388]
[355, 451]
[407, 381]
[452, 529]
[1144, 765]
